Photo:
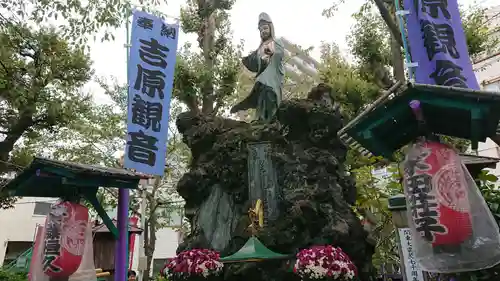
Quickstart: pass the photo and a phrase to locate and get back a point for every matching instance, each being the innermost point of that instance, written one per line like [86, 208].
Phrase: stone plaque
[262, 181]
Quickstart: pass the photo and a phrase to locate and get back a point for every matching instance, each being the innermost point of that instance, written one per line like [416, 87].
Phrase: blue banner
[150, 80]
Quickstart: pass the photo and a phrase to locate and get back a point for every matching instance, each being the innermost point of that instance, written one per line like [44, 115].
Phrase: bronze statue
[267, 63]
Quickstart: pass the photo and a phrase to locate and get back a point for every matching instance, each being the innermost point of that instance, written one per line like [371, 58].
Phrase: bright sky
[299, 21]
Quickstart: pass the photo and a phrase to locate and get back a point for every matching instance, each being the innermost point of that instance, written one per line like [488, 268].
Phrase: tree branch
[219, 102]
[190, 101]
[16, 131]
[5, 68]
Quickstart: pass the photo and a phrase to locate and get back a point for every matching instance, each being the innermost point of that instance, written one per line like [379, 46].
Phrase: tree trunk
[206, 39]
[149, 257]
[149, 244]
[147, 272]
[397, 61]
[14, 133]
[386, 15]
[398, 68]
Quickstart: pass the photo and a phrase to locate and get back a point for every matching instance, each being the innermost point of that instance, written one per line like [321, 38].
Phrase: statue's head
[266, 27]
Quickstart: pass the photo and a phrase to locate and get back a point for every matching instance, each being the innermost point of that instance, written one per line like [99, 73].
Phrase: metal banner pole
[121, 251]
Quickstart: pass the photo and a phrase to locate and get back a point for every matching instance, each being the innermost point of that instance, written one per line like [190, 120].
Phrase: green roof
[52, 178]
[389, 123]
[70, 181]
[253, 250]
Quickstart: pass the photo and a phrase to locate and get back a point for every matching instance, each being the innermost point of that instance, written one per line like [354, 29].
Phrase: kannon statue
[267, 63]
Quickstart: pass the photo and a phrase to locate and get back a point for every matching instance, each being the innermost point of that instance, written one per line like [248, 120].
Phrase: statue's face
[265, 31]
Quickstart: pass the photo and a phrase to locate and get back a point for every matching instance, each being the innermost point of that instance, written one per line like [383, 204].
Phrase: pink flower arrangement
[324, 263]
[194, 263]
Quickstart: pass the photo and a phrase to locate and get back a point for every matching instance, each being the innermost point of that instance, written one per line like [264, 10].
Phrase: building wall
[20, 222]
[487, 71]
[301, 71]
[487, 66]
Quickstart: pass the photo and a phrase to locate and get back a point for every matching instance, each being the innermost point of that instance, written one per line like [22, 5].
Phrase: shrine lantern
[450, 221]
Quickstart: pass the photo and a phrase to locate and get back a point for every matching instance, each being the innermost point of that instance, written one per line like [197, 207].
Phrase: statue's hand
[268, 51]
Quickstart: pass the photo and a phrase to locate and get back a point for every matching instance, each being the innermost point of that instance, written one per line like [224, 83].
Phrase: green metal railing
[22, 262]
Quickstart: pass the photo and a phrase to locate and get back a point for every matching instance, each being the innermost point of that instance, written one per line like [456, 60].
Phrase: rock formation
[316, 191]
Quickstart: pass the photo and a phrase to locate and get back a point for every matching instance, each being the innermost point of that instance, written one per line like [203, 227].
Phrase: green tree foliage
[371, 204]
[351, 89]
[41, 77]
[12, 276]
[490, 192]
[79, 18]
[478, 32]
[371, 47]
[93, 136]
[205, 79]
[44, 110]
